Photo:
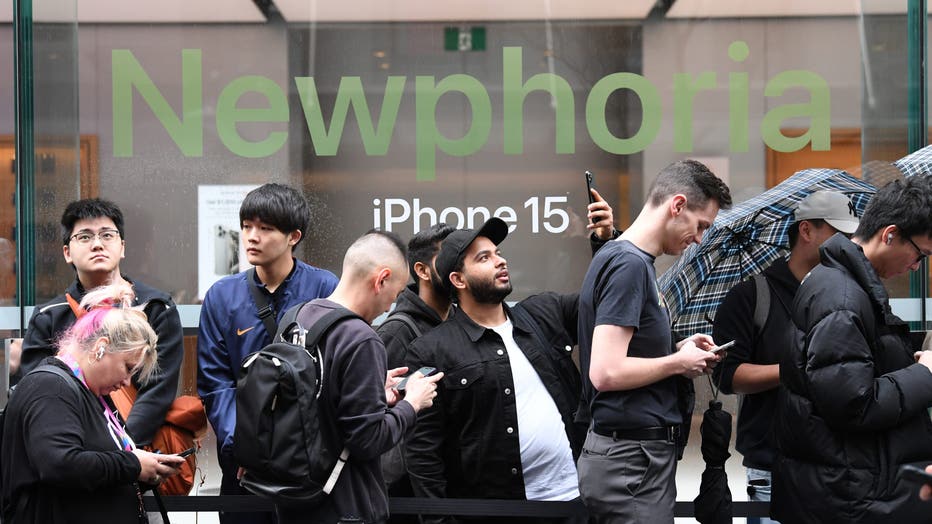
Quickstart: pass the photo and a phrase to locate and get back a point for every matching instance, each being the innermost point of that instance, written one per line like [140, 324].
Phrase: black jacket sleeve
[157, 395]
[397, 337]
[734, 320]
[38, 342]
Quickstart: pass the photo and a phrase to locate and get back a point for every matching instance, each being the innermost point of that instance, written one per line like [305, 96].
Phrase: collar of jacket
[841, 252]
[475, 331]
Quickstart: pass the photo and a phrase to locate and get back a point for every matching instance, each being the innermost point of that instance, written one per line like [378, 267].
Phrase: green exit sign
[462, 39]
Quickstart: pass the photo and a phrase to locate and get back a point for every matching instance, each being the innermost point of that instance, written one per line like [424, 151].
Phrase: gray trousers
[628, 481]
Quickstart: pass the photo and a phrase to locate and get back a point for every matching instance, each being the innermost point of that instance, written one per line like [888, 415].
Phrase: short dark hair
[692, 179]
[907, 204]
[793, 231]
[426, 244]
[89, 209]
[278, 205]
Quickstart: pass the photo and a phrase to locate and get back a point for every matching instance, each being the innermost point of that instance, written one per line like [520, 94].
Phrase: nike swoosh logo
[241, 332]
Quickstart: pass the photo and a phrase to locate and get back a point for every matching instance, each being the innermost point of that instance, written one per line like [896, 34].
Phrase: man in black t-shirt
[628, 360]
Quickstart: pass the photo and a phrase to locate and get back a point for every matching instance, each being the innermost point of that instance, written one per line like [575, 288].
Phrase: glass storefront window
[398, 115]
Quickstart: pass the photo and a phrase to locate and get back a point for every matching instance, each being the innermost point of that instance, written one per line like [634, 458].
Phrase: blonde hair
[110, 314]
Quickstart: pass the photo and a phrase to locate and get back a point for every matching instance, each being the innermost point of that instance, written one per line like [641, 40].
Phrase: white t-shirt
[546, 457]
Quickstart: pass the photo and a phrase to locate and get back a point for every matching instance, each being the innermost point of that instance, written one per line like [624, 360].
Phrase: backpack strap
[263, 307]
[762, 304]
[406, 319]
[68, 377]
[320, 327]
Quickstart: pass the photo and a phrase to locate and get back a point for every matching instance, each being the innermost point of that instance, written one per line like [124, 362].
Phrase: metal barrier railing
[431, 506]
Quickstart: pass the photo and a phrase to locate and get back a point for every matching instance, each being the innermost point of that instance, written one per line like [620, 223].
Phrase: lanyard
[120, 437]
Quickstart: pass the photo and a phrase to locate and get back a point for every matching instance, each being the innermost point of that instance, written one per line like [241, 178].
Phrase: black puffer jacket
[853, 407]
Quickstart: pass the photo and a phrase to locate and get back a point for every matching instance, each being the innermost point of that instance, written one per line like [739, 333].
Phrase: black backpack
[278, 439]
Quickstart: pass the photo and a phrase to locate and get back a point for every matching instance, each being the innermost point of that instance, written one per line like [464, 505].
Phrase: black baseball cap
[457, 242]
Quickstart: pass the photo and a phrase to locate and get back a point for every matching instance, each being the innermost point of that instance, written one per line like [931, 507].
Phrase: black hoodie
[397, 335]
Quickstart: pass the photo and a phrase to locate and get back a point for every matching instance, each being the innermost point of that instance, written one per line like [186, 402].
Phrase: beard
[486, 292]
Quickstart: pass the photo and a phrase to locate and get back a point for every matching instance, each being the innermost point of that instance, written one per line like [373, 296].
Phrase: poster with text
[220, 253]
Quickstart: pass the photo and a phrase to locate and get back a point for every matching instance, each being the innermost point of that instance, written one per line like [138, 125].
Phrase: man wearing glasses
[855, 398]
[92, 237]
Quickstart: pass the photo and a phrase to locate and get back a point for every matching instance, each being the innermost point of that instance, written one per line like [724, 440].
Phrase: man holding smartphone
[751, 368]
[503, 424]
[632, 374]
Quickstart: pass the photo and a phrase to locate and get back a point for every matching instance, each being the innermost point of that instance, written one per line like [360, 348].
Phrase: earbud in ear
[100, 352]
[889, 238]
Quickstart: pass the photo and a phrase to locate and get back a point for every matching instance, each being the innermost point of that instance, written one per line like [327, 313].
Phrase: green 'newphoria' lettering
[375, 139]
[228, 115]
[514, 94]
[429, 138]
[684, 91]
[128, 74]
[650, 113]
[818, 110]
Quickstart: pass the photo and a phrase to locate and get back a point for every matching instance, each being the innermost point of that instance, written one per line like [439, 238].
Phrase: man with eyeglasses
[93, 243]
[855, 397]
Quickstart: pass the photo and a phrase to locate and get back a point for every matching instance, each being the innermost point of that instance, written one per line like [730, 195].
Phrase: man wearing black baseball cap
[502, 425]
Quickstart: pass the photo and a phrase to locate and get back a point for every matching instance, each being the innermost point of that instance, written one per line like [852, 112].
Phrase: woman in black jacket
[65, 454]
[854, 402]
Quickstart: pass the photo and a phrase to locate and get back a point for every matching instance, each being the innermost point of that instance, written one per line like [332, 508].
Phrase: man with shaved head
[359, 410]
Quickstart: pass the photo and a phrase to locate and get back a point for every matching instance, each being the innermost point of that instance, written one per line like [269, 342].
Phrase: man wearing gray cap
[756, 314]
[503, 423]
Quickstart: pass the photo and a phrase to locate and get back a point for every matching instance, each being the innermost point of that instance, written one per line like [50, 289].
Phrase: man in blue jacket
[274, 219]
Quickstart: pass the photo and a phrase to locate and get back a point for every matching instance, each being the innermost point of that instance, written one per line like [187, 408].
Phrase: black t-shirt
[628, 297]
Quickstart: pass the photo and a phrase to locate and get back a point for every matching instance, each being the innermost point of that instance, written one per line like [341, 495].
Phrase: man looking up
[93, 240]
[503, 425]
[359, 410]
[752, 366]
[274, 220]
[630, 365]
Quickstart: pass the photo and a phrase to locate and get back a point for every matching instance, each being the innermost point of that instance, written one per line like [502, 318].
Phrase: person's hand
[16, 352]
[420, 390]
[155, 467]
[600, 219]
[693, 360]
[924, 358]
[925, 492]
[394, 376]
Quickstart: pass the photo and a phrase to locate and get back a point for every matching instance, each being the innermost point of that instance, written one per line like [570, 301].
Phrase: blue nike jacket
[230, 329]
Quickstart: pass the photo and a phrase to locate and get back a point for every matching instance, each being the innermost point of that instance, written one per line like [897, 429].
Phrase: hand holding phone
[425, 371]
[190, 451]
[589, 183]
[724, 347]
[915, 474]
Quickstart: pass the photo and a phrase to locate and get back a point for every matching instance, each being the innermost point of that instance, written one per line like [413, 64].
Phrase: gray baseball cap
[833, 207]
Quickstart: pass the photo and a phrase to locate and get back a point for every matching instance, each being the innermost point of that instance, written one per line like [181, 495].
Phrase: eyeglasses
[106, 236]
[919, 251]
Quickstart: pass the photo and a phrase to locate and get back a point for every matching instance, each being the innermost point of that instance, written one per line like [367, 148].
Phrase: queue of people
[509, 414]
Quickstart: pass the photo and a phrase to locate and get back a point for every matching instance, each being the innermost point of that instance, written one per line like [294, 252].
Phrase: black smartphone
[916, 474]
[426, 371]
[589, 177]
[190, 451]
[723, 347]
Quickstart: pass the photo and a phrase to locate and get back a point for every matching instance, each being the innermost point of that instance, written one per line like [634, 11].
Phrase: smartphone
[916, 474]
[190, 451]
[426, 371]
[723, 347]
[589, 177]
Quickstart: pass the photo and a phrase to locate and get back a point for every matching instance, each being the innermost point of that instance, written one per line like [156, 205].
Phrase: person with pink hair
[66, 455]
